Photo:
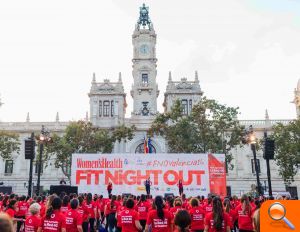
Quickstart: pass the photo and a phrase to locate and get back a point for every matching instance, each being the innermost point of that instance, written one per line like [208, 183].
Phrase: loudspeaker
[29, 148]
[169, 195]
[126, 195]
[6, 189]
[58, 189]
[269, 149]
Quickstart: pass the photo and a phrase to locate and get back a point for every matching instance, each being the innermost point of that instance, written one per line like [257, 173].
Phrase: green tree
[82, 137]
[9, 143]
[211, 127]
[287, 148]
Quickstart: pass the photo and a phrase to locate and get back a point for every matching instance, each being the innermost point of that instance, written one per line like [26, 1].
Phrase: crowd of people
[90, 213]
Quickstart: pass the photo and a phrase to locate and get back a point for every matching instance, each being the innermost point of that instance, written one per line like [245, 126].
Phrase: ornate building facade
[108, 108]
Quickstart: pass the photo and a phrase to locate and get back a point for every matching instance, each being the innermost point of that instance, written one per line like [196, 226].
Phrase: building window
[191, 105]
[253, 166]
[145, 78]
[184, 104]
[9, 166]
[37, 167]
[112, 108]
[106, 108]
[100, 108]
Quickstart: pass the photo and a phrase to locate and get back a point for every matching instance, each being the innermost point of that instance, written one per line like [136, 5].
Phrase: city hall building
[108, 107]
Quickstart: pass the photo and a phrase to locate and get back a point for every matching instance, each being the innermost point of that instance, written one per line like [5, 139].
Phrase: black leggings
[180, 191]
[85, 226]
[19, 223]
[143, 224]
[148, 190]
[112, 222]
[92, 221]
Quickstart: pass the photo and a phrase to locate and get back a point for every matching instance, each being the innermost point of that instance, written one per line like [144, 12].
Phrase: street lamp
[42, 139]
[250, 138]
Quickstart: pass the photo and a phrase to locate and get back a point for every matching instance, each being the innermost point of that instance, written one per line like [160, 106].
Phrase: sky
[247, 53]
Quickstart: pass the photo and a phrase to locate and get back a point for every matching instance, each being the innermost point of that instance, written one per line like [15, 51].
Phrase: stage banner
[201, 174]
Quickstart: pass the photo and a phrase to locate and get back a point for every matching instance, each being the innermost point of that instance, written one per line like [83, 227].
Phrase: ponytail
[49, 212]
[227, 205]
[89, 198]
[142, 199]
[112, 203]
[80, 199]
[159, 207]
[55, 205]
[217, 213]
[246, 207]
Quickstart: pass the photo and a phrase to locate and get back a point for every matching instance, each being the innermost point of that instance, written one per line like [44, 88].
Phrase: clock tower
[144, 89]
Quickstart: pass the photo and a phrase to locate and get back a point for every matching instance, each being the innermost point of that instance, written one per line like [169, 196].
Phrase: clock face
[144, 49]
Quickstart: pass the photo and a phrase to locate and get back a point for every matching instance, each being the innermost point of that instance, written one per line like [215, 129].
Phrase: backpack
[101, 228]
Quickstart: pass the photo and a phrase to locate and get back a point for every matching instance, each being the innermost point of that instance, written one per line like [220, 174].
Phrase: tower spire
[27, 117]
[267, 115]
[120, 77]
[196, 76]
[94, 78]
[57, 117]
[170, 76]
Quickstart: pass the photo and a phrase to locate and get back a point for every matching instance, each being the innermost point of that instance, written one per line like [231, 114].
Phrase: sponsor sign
[200, 173]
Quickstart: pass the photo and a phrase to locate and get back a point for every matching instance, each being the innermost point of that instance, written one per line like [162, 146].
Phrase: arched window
[140, 148]
[100, 108]
[184, 104]
[191, 105]
[145, 78]
[112, 108]
[106, 108]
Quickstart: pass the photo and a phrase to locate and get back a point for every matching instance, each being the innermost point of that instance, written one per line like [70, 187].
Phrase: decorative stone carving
[184, 84]
[106, 86]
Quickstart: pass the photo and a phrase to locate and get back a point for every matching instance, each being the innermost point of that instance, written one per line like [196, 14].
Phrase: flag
[149, 146]
[146, 148]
